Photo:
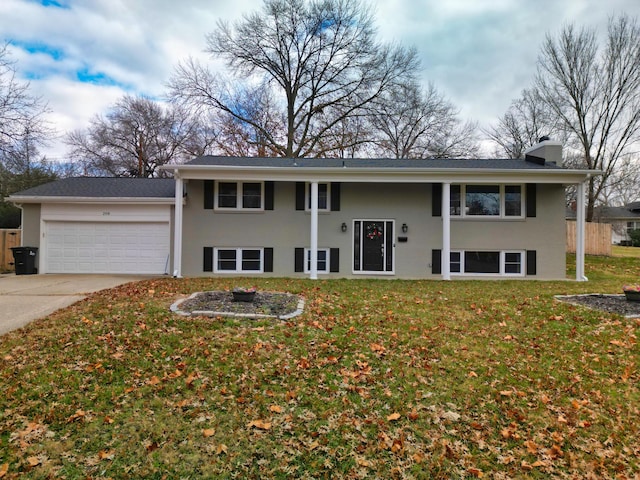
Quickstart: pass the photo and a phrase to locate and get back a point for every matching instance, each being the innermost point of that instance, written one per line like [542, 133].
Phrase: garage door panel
[86, 247]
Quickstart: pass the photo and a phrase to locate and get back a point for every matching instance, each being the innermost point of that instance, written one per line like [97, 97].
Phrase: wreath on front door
[373, 232]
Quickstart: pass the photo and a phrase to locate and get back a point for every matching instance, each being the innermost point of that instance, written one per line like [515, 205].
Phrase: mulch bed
[607, 303]
[274, 304]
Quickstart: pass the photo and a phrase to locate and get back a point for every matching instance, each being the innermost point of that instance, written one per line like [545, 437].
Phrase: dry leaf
[4, 469]
[105, 455]
[275, 409]
[220, 449]
[154, 380]
[531, 446]
[208, 432]
[259, 424]
[393, 417]
[33, 461]
[476, 472]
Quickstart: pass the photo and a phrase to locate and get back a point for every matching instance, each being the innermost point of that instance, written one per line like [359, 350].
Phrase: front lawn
[377, 379]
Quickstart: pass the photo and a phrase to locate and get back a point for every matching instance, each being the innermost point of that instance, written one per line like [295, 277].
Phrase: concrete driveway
[24, 298]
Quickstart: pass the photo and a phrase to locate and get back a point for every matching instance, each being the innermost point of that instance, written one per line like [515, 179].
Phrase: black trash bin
[24, 259]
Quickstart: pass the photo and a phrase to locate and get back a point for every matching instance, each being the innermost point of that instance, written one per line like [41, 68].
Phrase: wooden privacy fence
[8, 238]
[597, 238]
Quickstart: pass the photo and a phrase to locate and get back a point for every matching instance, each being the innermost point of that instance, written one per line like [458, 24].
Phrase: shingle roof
[104, 187]
[431, 163]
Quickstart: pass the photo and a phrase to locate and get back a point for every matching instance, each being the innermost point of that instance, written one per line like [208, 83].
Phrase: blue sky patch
[38, 47]
[52, 3]
[87, 75]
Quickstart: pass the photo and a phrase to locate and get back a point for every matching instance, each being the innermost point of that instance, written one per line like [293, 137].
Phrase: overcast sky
[82, 55]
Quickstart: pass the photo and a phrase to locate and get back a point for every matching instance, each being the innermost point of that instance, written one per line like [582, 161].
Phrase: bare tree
[134, 138]
[412, 123]
[595, 93]
[526, 121]
[320, 59]
[21, 113]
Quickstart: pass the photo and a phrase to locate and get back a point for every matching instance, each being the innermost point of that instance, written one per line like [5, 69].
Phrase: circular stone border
[570, 299]
[175, 308]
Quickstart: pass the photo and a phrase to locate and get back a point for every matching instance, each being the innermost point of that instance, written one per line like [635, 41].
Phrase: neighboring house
[622, 220]
[321, 218]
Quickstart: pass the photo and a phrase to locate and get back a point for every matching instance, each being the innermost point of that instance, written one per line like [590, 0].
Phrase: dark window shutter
[208, 195]
[335, 197]
[299, 260]
[531, 262]
[436, 200]
[436, 261]
[268, 195]
[531, 199]
[268, 259]
[334, 260]
[300, 200]
[208, 259]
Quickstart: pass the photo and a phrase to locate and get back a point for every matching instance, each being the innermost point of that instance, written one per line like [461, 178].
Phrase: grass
[618, 251]
[377, 379]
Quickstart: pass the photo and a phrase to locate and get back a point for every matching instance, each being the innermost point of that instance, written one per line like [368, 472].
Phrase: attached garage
[107, 247]
[100, 225]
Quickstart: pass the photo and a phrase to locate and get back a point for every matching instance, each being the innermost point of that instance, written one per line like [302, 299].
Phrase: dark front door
[373, 247]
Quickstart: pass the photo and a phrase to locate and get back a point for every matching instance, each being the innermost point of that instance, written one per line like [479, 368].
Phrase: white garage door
[99, 247]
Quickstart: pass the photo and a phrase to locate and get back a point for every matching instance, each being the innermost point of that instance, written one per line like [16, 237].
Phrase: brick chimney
[546, 151]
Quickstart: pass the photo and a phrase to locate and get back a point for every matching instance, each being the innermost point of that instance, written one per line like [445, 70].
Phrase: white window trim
[239, 189]
[238, 268]
[502, 273]
[503, 200]
[327, 262]
[307, 197]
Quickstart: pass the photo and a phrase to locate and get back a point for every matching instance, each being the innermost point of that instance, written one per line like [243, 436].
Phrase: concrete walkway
[24, 298]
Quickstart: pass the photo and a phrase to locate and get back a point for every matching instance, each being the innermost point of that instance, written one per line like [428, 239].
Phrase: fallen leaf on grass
[33, 461]
[79, 415]
[259, 424]
[208, 432]
[275, 409]
[476, 472]
[393, 417]
[220, 449]
[4, 469]
[106, 455]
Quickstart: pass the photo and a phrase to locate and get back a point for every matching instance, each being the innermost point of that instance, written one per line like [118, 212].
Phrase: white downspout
[177, 228]
[580, 226]
[313, 250]
[446, 231]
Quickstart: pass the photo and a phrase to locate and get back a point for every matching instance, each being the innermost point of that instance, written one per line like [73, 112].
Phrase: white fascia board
[61, 199]
[382, 175]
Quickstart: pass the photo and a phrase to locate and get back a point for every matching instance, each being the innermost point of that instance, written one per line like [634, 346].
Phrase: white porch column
[177, 228]
[446, 231]
[313, 247]
[580, 220]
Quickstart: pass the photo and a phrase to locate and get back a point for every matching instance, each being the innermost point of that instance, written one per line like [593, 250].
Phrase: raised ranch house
[319, 218]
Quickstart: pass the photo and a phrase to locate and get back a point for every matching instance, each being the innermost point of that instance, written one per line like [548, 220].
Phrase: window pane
[513, 200]
[455, 200]
[251, 195]
[482, 262]
[512, 262]
[454, 265]
[482, 200]
[226, 260]
[227, 195]
[323, 196]
[322, 260]
[250, 260]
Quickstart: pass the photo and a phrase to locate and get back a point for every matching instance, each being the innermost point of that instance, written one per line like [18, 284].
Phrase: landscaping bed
[222, 303]
[617, 304]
